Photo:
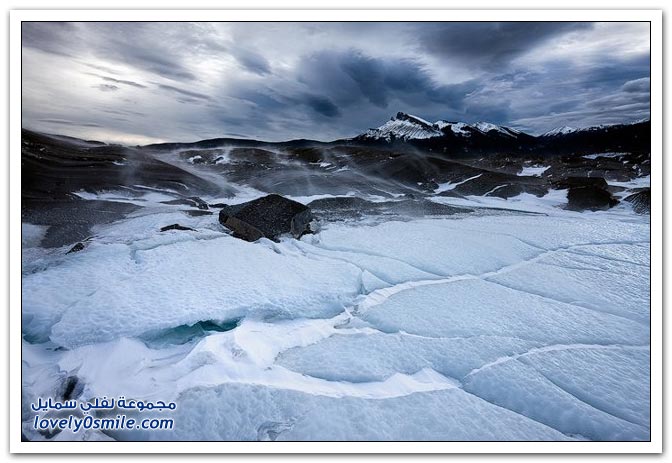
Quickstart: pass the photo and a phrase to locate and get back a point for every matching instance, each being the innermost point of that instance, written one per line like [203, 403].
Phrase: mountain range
[460, 139]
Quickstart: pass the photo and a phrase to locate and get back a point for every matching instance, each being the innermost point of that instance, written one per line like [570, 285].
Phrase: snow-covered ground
[503, 326]
[534, 171]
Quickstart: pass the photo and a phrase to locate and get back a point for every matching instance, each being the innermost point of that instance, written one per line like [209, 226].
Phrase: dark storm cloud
[321, 105]
[347, 77]
[497, 112]
[252, 61]
[490, 44]
[627, 102]
[157, 62]
[561, 93]
[48, 37]
[131, 44]
[349, 91]
[608, 74]
[330, 80]
[632, 94]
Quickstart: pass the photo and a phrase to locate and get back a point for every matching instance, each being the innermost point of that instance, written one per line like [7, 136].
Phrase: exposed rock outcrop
[269, 217]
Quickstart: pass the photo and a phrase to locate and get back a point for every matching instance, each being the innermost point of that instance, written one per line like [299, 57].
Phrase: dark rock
[349, 202]
[506, 191]
[199, 202]
[71, 388]
[615, 189]
[592, 198]
[76, 248]
[641, 201]
[343, 208]
[231, 210]
[197, 212]
[54, 167]
[176, 226]
[502, 185]
[571, 182]
[270, 217]
[71, 220]
[586, 193]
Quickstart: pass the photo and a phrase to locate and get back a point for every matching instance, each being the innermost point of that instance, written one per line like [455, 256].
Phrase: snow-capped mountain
[460, 138]
[404, 127]
[487, 127]
[408, 127]
[458, 128]
[466, 140]
[564, 130]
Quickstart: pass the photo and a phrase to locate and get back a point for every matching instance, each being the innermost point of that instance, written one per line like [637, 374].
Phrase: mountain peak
[487, 127]
[404, 127]
[564, 130]
[401, 116]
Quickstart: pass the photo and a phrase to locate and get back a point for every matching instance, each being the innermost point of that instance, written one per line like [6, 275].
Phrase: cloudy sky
[146, 82]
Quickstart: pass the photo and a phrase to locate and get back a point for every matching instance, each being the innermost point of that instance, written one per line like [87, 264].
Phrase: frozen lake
[491, 326]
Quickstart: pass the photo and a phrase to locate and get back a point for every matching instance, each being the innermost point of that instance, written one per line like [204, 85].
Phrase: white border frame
[653, 16]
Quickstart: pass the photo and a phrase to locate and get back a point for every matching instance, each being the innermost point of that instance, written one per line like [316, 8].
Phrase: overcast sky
[147, 82]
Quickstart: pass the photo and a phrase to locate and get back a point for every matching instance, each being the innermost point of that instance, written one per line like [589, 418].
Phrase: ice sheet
[493, 327]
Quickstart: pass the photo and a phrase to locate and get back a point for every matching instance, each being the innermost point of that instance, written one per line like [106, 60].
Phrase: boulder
[641, 201]
[586, 193]
[270, 217]
[592, 198]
